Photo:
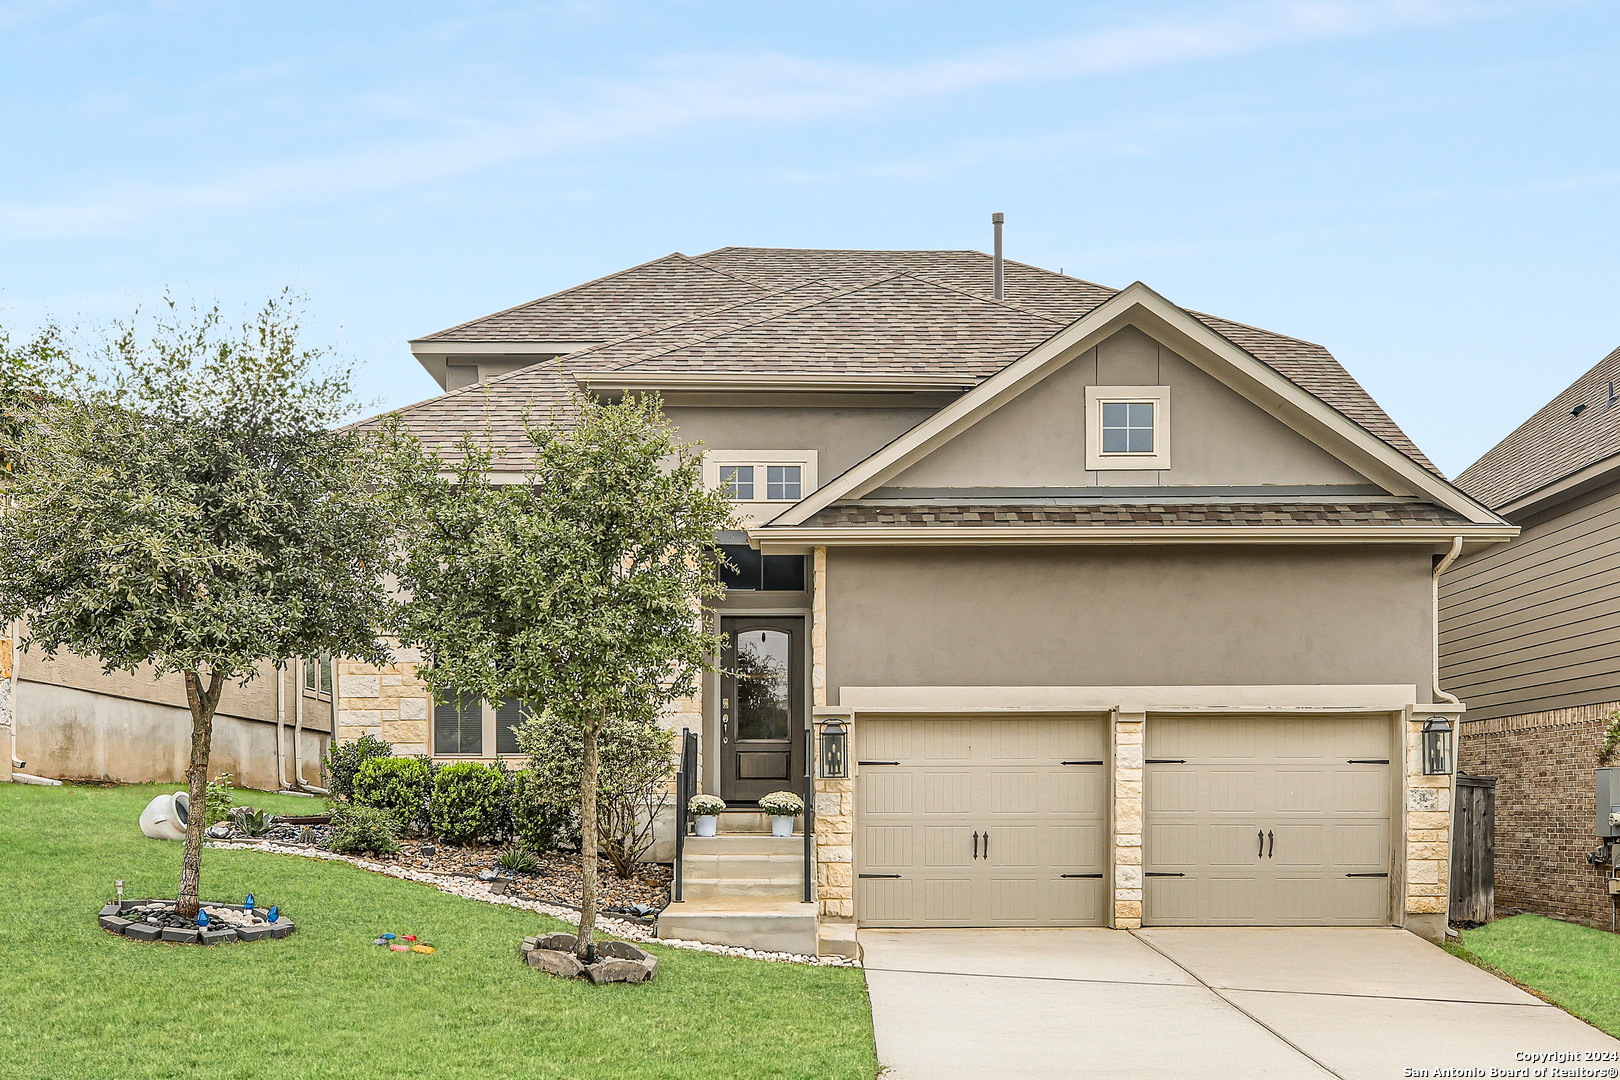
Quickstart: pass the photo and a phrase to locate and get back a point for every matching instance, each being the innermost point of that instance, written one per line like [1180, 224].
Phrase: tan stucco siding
[1534, 625]
[1128, 616]
[1217, 438]
[841, 436]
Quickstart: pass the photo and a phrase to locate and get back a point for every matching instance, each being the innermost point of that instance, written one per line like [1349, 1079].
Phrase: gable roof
[731, 308]
[1139, 305]
[1553, 444]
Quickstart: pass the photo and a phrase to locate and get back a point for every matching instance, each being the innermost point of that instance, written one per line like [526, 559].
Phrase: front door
[761, 708]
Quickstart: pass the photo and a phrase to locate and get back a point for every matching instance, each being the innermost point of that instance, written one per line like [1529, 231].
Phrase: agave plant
[252, 821]
[518, 860]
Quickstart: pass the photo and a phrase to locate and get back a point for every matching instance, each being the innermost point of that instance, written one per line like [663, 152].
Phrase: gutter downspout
[298, 728]
[14, 630]
[1444, 565]
[281, 717]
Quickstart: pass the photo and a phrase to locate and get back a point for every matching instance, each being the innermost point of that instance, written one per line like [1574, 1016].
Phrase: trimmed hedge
[398, 785]
[469, 802]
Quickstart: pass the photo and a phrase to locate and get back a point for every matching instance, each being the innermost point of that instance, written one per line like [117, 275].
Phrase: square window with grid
[737, 481]
[1127, 427]
[783, 482]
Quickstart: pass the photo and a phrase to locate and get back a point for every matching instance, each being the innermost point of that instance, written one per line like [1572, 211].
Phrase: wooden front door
[761, 708]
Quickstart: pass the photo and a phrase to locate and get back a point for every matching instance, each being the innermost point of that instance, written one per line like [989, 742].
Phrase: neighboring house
[1128, 610]
[1530, 637]
[74, 722]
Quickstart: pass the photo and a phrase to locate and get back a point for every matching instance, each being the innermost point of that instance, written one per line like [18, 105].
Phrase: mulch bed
[556, 882]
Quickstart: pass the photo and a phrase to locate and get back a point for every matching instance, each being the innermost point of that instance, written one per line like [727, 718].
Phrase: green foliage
[1611, 738]
[705, 805]
[252, 821]
[782, 804]
[343, 760]
[358, 830]
[24, 371]
[538, 824]
[632, 784]
[519, 860]
[400, 786]
[578, 589]
[221, 793]
[469, 802]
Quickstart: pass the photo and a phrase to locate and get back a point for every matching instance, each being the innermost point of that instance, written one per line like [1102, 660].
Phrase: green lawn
[1575, 967]
[76, 1001]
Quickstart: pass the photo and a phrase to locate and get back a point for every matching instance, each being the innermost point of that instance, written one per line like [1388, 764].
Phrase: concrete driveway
[1252, 1003]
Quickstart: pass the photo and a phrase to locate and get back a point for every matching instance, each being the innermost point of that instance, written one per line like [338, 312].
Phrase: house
[1124, 613]
[1530, 636]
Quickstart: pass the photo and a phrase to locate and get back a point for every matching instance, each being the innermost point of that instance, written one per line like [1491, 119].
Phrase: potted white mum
[706, 808]
[783, 806]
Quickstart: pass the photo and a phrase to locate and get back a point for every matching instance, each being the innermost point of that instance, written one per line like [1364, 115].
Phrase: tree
[182, 505]
[579, 590]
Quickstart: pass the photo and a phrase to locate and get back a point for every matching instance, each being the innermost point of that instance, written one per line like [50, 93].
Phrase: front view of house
[1089, 610]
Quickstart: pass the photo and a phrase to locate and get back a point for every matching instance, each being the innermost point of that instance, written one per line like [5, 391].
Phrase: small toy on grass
[380, 941]
[410, 937]
[400, 948]
[422, 948]
[202, 919]
[275, 913]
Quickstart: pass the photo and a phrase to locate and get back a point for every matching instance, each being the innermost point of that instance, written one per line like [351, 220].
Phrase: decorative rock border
[114, 919]
[617, 961]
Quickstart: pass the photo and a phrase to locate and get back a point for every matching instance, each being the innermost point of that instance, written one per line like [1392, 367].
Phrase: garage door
[980, 822]
[1267, 821]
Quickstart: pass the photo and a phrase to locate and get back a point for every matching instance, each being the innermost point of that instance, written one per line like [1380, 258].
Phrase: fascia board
[743, 382]
[420, 348]
[774, 538]
[1283, 399]
[1576, 483]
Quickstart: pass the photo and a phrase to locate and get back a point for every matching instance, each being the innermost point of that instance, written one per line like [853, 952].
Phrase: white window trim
[715, 460]
[1158, 396]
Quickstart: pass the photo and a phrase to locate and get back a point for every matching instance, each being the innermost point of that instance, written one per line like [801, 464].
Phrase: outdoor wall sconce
[1437, 747]
[834, 749]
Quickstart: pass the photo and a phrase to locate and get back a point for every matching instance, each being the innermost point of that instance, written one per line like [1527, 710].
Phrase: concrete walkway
[1251, 1003]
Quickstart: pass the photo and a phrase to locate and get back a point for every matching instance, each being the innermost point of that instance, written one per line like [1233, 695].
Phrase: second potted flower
[783, 806]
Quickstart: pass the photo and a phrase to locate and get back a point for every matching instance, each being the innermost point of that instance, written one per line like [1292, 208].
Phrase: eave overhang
[748, 382]
[796, 539]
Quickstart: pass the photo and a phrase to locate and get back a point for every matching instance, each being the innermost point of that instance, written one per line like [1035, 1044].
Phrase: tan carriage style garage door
[981, 821]
[1267, 821]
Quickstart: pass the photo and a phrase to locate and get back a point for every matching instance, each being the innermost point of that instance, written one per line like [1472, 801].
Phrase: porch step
[750, 923]
[752, 822]
[744, 844]
[738, 866]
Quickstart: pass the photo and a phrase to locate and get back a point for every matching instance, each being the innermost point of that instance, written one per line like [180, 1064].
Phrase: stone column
[1426, 878]
[835, 799]
[1127, 818]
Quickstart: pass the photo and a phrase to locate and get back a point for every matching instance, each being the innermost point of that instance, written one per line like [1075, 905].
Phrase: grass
[1575, 967]
[78, 1001]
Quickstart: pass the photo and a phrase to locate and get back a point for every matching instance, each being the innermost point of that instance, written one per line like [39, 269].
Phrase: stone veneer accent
[387, 702]
[1544, 764]
[1427, 877]
[835, 799]
[1127, 817]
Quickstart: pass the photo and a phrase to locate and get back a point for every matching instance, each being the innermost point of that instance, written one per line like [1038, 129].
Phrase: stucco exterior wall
[842, 436]
[1128, 616]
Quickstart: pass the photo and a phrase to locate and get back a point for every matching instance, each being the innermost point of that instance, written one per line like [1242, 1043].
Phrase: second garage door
[975, 821]
[1267, 821]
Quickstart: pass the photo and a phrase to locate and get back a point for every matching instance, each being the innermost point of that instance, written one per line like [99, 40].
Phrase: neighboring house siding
[1534, 625]
[1162, 616]
[1546, 808]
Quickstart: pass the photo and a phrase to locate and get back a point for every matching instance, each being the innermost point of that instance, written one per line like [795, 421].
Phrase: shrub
[397, 785]
[364, 830]
[632, 783]
[782, 804]
[469, 801]
[343, 761]
[219, 795]
[705, 805]
[538, 823]
[519, 861]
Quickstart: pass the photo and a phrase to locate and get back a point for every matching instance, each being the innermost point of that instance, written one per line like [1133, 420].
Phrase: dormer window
[1127, 427]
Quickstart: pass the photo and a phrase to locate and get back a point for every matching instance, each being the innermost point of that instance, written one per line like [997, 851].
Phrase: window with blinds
[458, 725]
[508, 718]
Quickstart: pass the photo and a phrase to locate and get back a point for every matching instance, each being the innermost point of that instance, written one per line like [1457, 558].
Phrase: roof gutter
[1440, 568]
[773, 539]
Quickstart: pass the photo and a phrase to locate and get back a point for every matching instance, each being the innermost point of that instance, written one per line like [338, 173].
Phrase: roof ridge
[586, 284]
[728, 273]
[986, 299]
[916, 251]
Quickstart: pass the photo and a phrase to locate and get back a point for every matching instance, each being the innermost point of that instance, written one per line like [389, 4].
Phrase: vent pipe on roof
[996, 220]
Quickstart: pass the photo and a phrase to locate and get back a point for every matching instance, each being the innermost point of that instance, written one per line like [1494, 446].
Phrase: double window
[746, 570]
[318, 675]
[460, 722]
[1127, 427]
[761, 476]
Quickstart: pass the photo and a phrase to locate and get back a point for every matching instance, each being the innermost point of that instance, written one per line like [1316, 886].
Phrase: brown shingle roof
[1239, 515]
[1552, 444]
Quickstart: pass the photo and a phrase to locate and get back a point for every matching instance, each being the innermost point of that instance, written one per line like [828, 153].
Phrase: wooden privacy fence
[1473, 850]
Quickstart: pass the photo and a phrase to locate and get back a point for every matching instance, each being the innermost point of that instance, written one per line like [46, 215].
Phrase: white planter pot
[781, 825]
[707, 824]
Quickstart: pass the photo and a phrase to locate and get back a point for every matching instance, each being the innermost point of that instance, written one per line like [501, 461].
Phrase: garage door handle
[877, 875]
[1080, 875]
[1153, 873]
[1262, 852]
[1097, 762]
[1368, 761]
[987, 843]
[877, 763]
[1272, 837]
[1367, 875]
[1167, 761]
[975, 845]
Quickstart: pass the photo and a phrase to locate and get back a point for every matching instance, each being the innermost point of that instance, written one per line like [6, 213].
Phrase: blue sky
[1430, 188]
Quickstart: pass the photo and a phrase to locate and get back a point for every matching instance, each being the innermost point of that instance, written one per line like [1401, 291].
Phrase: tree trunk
[203, 702]
[586, 949]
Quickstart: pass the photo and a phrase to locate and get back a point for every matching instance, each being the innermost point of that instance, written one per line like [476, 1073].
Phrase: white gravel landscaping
[478, 890]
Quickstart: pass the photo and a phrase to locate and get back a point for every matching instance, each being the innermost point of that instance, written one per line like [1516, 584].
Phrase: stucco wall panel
[841, 436]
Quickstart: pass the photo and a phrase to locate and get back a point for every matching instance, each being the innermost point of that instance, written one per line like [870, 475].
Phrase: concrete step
[764, 867]
[752, 822]
[766, 925]
[721, 888]
[745, 844]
